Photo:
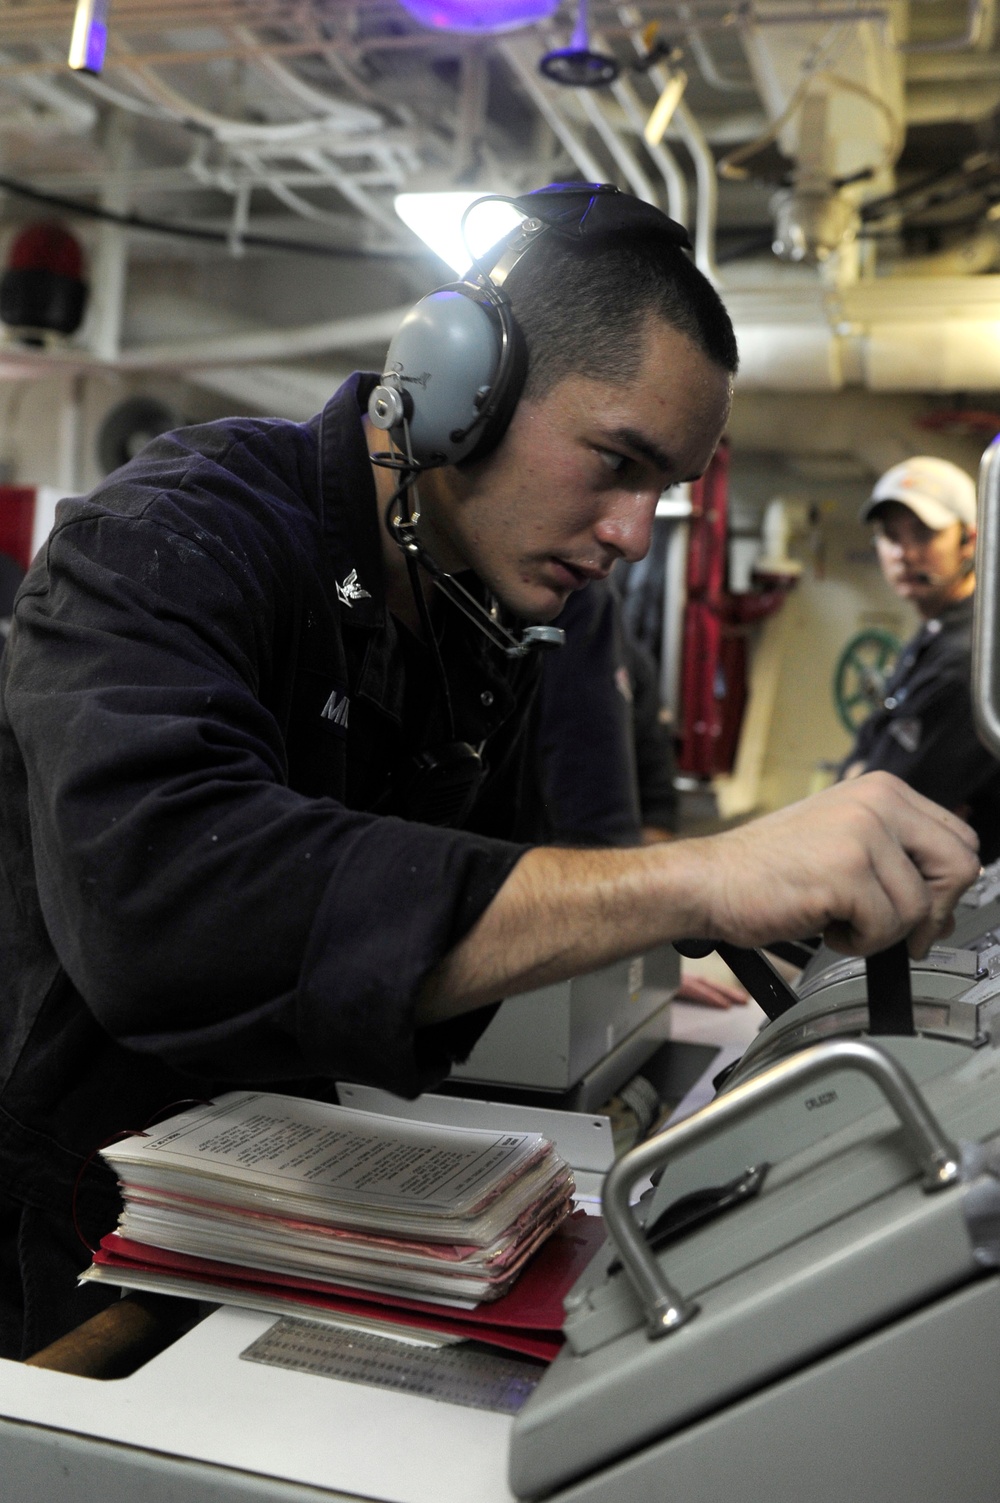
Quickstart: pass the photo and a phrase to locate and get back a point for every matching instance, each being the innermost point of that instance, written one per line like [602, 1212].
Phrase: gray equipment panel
[52, 1466]
[551, 1038]
[908, 1413]
[816, 1308]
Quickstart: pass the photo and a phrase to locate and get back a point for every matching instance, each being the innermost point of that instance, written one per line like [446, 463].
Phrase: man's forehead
[894, 511]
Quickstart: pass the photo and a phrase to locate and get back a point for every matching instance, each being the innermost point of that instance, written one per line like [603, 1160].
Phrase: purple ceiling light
[479, 15]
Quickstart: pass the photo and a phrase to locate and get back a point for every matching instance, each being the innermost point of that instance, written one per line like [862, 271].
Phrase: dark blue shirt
[924, 730]
[208, 716]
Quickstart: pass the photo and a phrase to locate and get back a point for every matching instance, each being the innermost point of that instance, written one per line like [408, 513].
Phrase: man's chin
[538, 606]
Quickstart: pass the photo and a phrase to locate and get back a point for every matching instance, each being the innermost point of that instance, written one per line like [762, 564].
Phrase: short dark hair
[582, 307]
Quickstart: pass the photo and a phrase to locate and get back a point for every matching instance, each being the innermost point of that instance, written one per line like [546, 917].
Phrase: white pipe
[693, 136]
[540, 98]
[325, 174]
[222, 127]
[328, 173]
[103, 90]
[926, 354]
[945, 103]
[79, 115]
[278, 390]
[349, 117]
[949, 67]
[70, 431]
[708, 191]
[666, 162]
[978, 32]
[624, 159]
[706, 62]
[268, 344]
[472, 101]
[109, 272]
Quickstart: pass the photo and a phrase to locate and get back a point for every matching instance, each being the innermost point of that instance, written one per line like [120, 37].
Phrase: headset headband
[457, 365]
[574, 211]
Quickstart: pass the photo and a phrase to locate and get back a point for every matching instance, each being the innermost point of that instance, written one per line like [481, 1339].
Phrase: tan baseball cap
[935, 490]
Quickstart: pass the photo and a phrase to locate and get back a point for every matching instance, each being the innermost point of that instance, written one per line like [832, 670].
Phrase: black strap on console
[890, 996]
[751, 969]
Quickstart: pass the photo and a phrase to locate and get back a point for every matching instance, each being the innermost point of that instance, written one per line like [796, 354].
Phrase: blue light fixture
[479, 15]
[90, 36]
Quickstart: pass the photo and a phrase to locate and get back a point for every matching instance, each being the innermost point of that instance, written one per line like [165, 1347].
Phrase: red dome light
[42, 289]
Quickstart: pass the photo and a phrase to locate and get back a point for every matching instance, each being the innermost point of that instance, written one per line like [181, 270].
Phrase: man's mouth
[575, 576]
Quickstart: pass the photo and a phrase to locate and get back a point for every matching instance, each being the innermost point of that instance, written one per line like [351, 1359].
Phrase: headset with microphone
[454, 374]
[457, 365]
[966, 566]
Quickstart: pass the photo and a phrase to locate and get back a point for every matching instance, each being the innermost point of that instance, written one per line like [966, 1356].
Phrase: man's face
[573, 485]
[921, 565]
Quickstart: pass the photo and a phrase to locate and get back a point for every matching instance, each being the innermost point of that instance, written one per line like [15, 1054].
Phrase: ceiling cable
[181, 231]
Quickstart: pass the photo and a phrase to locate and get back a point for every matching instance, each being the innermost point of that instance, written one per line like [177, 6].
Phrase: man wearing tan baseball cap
[923, 513]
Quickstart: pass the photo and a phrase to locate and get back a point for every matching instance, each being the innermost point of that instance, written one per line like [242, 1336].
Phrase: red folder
[527, 1320]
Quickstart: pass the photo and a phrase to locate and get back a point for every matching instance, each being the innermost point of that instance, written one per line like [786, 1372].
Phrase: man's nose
[627, 528]
[900, 547]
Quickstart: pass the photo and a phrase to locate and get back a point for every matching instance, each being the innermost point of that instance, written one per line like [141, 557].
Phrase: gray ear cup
[441, 370]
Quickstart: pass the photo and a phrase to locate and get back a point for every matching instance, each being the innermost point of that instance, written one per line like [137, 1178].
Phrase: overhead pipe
[690, 132]
[636, 114]
[625, 160]
[662, 156]
[978, 32]
[949, 67]
[783, 348]
[285, 136]
[944, 103]
[79, 115]
[226, 129]
[472, 100]
[270, 344]
[587, 163]
[110, 260]
[104, 91]
[706, 62]
[326, 105]
[707, 208]
[280, 391]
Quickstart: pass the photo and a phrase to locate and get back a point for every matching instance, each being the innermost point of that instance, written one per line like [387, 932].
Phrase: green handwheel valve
[862, 672]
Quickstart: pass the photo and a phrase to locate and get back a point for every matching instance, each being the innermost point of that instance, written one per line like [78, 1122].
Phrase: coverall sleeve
[206, 912]
[932, 745]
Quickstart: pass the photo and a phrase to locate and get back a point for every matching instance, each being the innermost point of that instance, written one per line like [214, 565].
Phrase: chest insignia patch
[351, 590]
[337, 709]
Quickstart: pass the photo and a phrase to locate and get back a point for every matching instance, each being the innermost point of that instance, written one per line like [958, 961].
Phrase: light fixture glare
[90, 36]
[437, 219]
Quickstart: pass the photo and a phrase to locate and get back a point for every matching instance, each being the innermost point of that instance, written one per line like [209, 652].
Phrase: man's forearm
[560, 913]
[864, 863]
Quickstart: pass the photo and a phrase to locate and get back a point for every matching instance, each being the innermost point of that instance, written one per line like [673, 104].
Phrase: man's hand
[863, 863]
[708, 993]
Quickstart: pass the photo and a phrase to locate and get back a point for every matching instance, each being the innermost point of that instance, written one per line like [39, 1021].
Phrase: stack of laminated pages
[258, 1191]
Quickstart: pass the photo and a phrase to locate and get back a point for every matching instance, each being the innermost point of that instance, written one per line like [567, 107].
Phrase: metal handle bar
[933, 1151]
[986, 611]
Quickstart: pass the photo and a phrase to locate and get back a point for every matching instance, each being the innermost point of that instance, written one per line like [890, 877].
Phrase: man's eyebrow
[632, 439]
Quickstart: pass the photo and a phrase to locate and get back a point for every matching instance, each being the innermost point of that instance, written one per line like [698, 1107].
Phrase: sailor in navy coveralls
[225, 693]
[924, 515]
